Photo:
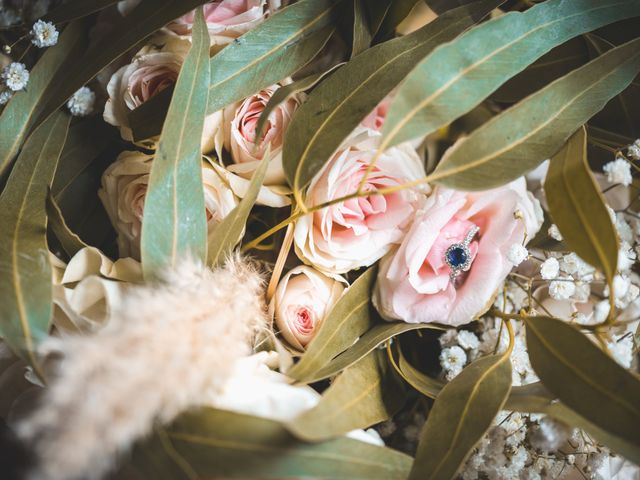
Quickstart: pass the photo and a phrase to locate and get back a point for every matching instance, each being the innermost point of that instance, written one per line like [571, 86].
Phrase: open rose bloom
[414, 283]
[357, 232]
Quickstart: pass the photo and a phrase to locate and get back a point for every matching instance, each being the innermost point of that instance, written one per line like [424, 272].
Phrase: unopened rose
[226, 19]
[123, 191]
[240, 125]
[303, 299]
[414, 283]
[358, 232]
[152, 70]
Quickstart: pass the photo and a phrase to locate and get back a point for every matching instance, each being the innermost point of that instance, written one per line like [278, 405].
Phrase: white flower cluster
[15, 76]
[44, 34]
[81, 103]
[618, 171]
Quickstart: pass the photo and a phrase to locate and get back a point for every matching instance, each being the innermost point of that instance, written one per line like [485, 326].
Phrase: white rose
[303, 299]
[124, 186]
[153, 69]
[358, 232]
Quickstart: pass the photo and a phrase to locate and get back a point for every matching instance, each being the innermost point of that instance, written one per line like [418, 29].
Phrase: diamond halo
[458, 256]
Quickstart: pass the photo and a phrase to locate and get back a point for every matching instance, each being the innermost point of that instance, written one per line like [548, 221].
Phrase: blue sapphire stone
[456, 257]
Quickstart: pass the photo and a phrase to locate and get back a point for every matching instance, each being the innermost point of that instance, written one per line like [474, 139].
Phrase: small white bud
[562, 289]
[555, 233]
[517, 254]
[618, 171]
[15, 76]
[81, 103]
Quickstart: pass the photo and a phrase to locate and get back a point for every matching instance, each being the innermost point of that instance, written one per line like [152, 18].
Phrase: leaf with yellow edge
[462, 413]
[366, 393]
[578, 207]
[584, 377]
[25, 283]
[174, 223]
[520, 138]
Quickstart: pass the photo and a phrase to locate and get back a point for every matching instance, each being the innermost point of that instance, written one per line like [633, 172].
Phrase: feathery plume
[165, 348]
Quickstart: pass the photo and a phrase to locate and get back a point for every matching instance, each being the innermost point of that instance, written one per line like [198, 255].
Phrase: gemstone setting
[458, 256]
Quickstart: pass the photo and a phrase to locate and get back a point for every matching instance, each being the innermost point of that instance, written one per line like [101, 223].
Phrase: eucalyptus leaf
[460, 416]
[72, 9]
[69, 241]
[459, 75]
[366, 393]
[213, 443]
[143, 20]
[336, 107]
[429, 387]
[396, 13]
[284, 92]
[272, 51]
[585, 378]
[228, 233]
[351, 316]
[518, 139]
[18, 115]
[368, 342]
[578, 207]
[174, 223]
[25, 284]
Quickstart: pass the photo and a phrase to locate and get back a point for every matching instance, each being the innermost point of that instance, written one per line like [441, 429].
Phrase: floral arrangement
[320, 239]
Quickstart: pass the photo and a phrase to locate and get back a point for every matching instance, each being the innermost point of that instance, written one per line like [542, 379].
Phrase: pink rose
[303, 299]
[152, 70]
[226, 19]
[240, 134]
[413, 282]
[358, 232]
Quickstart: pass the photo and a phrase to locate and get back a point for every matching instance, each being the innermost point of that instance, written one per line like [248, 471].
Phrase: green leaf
[174, 223]
[69, 241]
[336, 107]
[364, 394]
[213, 443]
[531, 131]
[275, 49]
[228, 233]
[26, 302]
[17, 118]
[578, 207]
[429, 387]
[284, 92]
[460, 416]
[351, 316]
[396, 13]
[146, 18]
[585, 378]
[72, 9]
[369, 341]
[459, 75]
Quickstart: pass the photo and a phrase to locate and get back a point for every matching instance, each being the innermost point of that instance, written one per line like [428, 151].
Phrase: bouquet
[320, 239]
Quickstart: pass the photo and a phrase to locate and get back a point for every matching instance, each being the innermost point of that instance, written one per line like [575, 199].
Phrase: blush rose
[303, 299]
[414, 283]
[358, 232]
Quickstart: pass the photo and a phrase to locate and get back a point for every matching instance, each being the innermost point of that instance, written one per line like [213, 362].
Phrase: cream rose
[124, 186]
[240, 123]
[303, 299]
[414, 281]
[153, 69]
[358, 232]
[226, 19]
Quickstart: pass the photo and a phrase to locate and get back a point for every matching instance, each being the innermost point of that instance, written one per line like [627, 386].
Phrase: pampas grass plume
[165, 348]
